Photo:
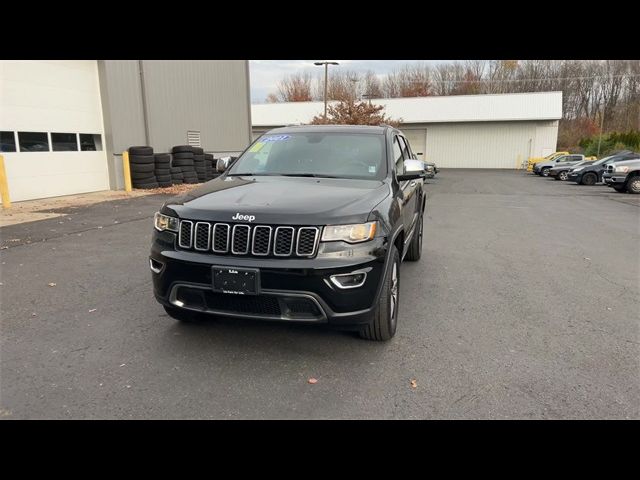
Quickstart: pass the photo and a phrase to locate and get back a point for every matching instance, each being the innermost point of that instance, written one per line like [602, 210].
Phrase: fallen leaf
[587, 258]
[52, 284]
[414, 384]
[123, 365]
[93, 310]
[3, 248]
[609, 308]
[312, 380]
[34, 314]
[14, 240]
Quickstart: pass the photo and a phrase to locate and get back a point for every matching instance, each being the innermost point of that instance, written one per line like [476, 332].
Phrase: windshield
[317, 154]
[603, 160]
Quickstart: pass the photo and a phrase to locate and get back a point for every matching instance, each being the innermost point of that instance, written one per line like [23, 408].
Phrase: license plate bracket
[235, 280]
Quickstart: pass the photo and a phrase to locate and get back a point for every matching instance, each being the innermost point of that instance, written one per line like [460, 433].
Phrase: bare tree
[295, 88]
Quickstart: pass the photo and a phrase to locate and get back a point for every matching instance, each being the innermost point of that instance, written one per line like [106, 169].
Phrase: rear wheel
[385, 317]
[633, 185]
[589, 179]
[545, 172]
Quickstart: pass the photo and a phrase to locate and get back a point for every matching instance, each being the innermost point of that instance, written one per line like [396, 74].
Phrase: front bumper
[613, 179]
[291, 289]
[574, 177]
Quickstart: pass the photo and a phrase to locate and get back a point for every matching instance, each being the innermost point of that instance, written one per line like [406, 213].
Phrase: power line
[551, 79]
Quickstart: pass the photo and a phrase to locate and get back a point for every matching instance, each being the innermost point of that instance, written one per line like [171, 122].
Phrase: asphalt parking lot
[526, 304]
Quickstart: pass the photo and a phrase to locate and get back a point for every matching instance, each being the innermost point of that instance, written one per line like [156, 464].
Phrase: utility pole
[326, 77]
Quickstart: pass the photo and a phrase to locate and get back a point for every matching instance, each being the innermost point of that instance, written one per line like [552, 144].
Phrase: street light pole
[326, 76]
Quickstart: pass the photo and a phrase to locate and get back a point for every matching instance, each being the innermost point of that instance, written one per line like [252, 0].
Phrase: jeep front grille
[255, 240]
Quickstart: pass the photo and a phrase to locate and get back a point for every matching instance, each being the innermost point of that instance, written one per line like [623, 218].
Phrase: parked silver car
[543, 168]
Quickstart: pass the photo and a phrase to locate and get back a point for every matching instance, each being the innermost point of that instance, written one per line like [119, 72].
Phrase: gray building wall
[155, 102]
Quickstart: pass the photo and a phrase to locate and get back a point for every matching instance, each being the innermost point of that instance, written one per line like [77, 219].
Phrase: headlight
[359, 232]
[164, 222]
[621, 169]
[429, 168]
[577, 169]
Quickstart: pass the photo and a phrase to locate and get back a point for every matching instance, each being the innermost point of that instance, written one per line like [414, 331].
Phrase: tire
[142, 168]
[162, 171]
[198, 150]
[188, 155]
[415, 247]
[175, 170]
[182, 149]
[589, 179]
[142, 177]
[162, 157]
[140, 150]
[544, 172]
[145, 186]
[619, 188]
[183, 162]
[141, 159]
[165, 184]
[163, 178]
[633, 185]
[563, 175]
[382, 326]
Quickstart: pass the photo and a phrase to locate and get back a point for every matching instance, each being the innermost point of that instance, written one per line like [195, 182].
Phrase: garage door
[480, 144]
[417, 140]
[52, 119]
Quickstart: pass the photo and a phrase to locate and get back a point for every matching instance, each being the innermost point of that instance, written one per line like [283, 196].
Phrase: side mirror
[222, 164]
[413, 169]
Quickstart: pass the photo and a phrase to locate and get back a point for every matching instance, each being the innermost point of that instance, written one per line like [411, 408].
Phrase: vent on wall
[193, 138]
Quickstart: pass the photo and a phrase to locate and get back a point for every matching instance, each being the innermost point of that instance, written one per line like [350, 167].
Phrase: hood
[281, 200]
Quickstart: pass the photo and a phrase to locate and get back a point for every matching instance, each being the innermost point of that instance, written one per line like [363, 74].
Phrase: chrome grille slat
[282, 237]
[308, 244]
[240, 239]
[244, 239]
[220, 238]
[185, 233]
[258, 246]
[201, 236]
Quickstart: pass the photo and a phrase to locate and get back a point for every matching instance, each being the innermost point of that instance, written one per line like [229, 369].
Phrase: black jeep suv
[309, 224]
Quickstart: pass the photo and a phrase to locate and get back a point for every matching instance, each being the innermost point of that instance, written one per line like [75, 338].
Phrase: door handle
[412, 184]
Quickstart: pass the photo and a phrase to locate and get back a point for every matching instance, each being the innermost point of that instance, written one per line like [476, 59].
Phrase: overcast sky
[266, 73]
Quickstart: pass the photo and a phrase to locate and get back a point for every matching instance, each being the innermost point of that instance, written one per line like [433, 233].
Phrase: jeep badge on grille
[246, 218]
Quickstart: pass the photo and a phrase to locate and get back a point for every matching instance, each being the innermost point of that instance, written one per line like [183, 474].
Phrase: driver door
[408, 187]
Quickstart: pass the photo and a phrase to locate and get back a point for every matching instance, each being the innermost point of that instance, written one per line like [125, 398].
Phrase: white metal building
[64, 124]
[463, 131]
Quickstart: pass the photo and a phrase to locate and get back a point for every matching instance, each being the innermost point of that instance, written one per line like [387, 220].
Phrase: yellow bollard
[4, 185]
[127, 171]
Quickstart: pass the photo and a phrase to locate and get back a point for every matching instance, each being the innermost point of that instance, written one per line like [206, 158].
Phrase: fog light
[349, 280]
[156, 267]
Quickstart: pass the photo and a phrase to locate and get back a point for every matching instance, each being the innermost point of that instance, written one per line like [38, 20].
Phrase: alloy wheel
[393, 295]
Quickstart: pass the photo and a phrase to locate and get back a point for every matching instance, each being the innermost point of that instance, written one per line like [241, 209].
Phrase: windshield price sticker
[275, 138]
[256, 147]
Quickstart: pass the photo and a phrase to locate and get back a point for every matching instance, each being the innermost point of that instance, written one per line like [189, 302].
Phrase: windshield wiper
[249, 174]
[314, 175]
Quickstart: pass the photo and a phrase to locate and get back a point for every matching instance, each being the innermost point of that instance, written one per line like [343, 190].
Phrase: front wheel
[563, 175]
[545, 172]
[633, 185]
[589, 179]
[384, 319]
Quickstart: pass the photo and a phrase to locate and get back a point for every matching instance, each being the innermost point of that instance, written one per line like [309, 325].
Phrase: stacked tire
[183, 159]
[176, 175]
[142, 167]
[163, 169]
[199, 164]
[208, 163]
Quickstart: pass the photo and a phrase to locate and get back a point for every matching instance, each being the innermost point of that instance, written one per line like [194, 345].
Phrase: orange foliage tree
[350, 112]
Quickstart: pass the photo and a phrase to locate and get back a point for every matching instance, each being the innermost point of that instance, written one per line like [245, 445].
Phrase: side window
[398, 158]
[7, 142]
[563, 158]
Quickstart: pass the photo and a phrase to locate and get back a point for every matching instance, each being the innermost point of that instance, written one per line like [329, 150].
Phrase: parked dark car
[561, 172]
[309, 224]
[592, 173]
[623, 176]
